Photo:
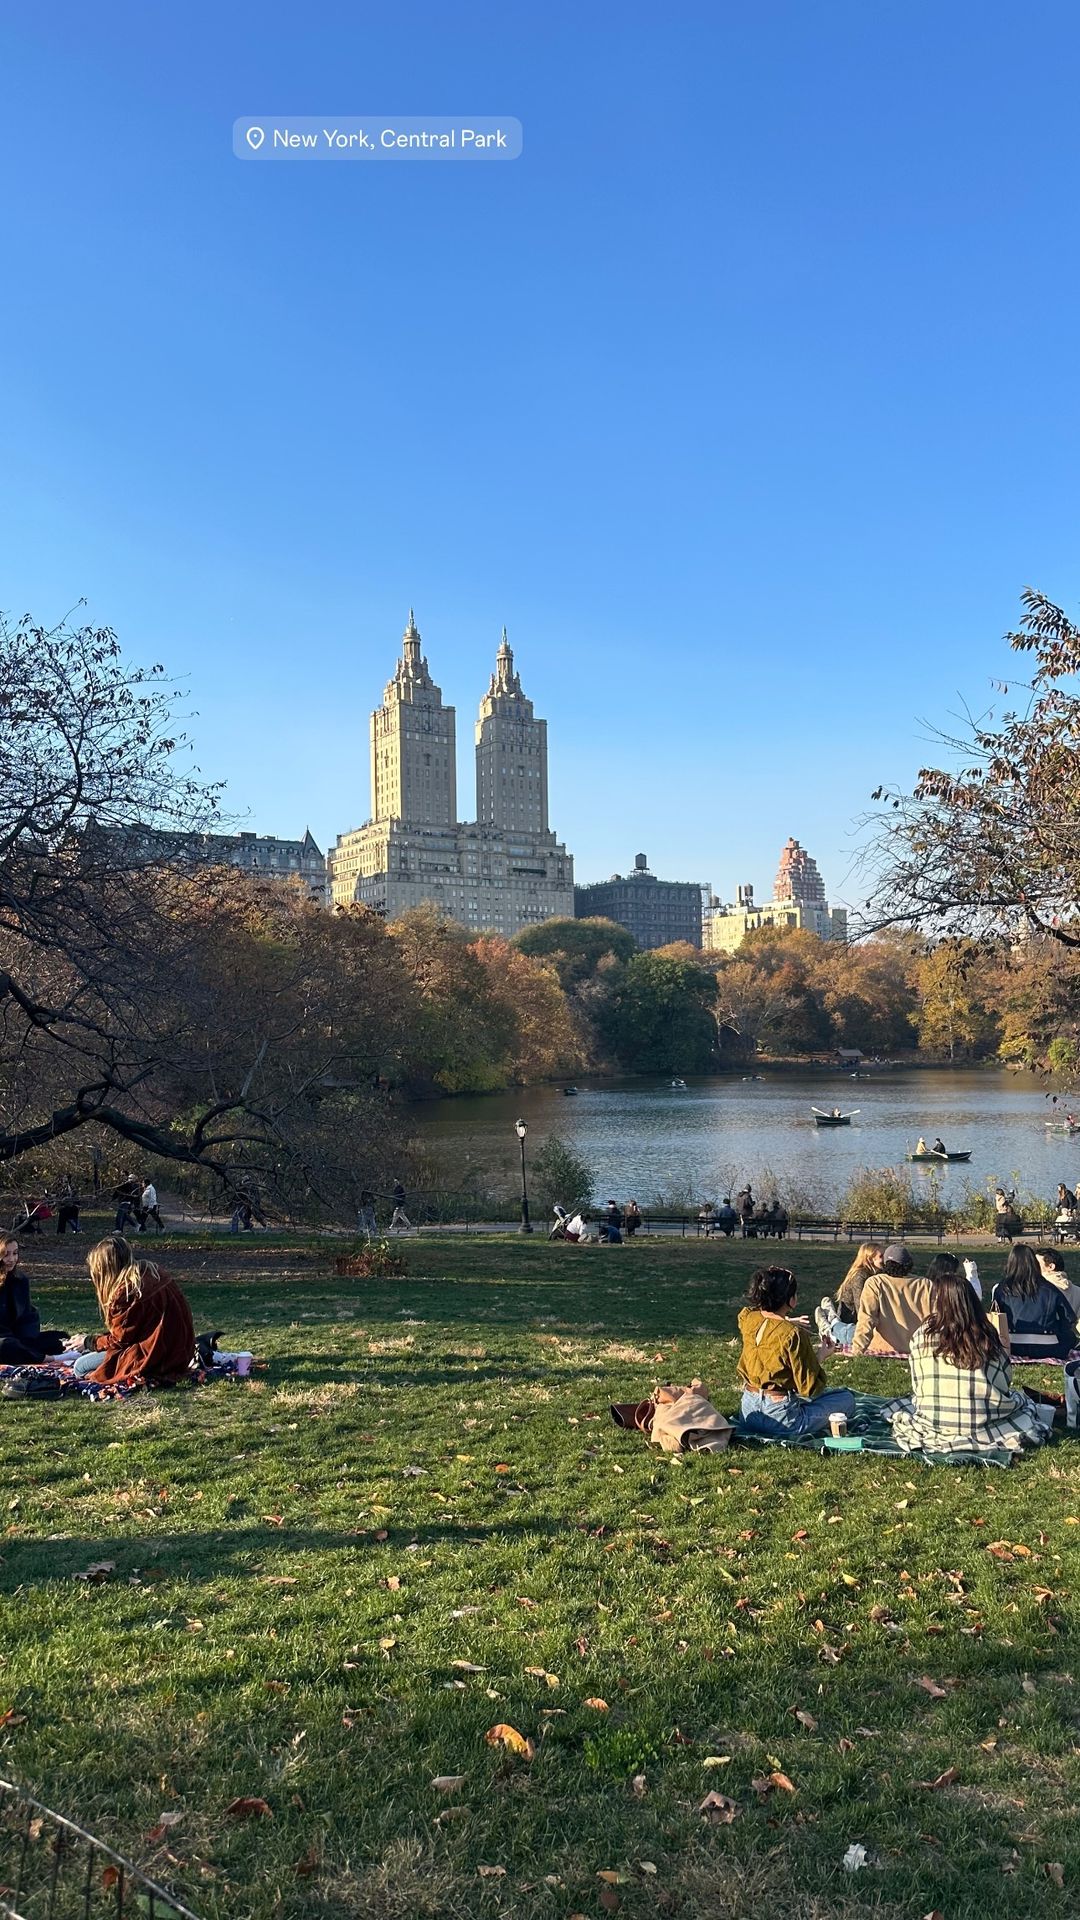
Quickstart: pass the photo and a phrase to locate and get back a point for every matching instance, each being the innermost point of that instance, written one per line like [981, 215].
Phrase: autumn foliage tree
[991, 844]
[190, 1015]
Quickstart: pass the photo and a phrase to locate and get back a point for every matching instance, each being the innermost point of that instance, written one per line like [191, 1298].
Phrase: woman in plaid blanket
[963, 1399]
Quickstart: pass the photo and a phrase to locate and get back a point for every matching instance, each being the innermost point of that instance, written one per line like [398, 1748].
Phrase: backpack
[32, 1383]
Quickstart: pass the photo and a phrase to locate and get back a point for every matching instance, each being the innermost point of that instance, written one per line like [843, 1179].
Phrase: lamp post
[526, 1224]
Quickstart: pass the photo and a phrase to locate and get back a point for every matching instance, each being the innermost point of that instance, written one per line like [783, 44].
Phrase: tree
[576, 948]
[194, 1016]
[661, 1018]
[529, 1005]
[953, 1017]
[993, 844]
[460, 1040]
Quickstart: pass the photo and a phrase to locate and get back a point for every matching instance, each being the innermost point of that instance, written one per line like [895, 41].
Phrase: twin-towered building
[500, 872]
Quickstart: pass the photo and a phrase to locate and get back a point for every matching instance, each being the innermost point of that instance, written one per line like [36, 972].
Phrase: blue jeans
[775, 1418]
[87, 1363]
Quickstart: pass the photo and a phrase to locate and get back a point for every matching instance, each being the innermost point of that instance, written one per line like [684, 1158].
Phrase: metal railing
[52, 1869]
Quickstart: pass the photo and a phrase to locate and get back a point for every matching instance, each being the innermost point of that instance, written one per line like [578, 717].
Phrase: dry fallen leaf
[503, 1735]
[308, 1863]
[541, 1673]
[768, 1782]
[1056, 1872]
[718, 1809]
[109, 1877]
[609, 1900]
[448, 1782]
[466, 1666]
[855, 1857]
[805, 1719]
[100, 1571]
[165, 1821]
[639, 1786]
[491, 1873]
[246, 1808]
[943, 1780]
[931, 1687]
[598, 1706]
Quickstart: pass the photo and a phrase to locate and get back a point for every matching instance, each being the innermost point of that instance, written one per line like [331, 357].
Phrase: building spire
[410, 647]
[504, 679]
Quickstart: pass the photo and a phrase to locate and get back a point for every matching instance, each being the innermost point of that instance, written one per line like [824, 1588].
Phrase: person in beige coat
[893, 1303]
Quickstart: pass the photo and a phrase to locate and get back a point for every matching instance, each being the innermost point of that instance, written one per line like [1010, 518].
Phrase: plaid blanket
[72, 1387]
[870, 1431]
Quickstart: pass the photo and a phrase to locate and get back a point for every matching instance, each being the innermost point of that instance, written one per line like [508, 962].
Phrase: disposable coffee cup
[838, 1425]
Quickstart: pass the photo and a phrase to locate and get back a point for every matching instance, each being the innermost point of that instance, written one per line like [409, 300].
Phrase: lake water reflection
[645, 1137]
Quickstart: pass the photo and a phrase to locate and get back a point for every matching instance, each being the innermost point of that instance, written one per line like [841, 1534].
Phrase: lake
[644, 1138]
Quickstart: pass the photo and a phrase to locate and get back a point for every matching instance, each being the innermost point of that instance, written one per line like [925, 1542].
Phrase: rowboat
[939, 1159]
[569, 1090]
[1062, 1126]
[822, 1119]
[679, 1083]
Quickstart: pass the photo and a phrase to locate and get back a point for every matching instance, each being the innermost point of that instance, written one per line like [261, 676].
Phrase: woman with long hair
[22, 1340]
[785, 1392]
[149, 1333]
[1042, 1324]
[837, 1315]
[962, 1396]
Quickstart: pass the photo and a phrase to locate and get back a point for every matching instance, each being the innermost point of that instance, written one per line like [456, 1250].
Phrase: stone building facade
[656, 912]
[798, 902]
[498, 873]
[273, 858]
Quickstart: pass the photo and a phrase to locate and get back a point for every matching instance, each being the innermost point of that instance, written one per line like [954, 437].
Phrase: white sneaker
[824, 1316]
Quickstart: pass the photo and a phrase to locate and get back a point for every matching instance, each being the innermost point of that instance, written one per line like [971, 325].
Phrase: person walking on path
[148, 1207]
[67, 1208]
[399, 1219]
[365, 1215]
[126, 1196]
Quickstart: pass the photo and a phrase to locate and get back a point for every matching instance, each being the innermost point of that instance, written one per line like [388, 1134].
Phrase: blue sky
[747, 398]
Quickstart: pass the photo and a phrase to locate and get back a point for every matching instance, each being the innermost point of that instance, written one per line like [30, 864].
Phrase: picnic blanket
[869, 1431]
[71, 1387]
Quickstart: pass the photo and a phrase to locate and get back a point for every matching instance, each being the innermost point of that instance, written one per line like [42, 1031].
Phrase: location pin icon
[255, 137]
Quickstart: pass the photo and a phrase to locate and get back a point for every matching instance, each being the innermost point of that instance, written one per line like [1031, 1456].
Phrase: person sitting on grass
[610, 1228]
[1042, 1324]
[962, 1396]
[22, 1341]
[893, 1303]
[149, 1333]
[1052, 1267]
[835, 1318]
[783, 1379]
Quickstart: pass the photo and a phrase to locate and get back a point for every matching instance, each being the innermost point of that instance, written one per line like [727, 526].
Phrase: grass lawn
[419, 1522]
